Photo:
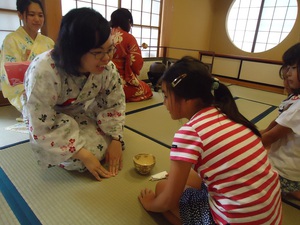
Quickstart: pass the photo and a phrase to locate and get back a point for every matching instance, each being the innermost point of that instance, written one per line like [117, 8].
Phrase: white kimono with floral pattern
[67, 112]
[18, 46]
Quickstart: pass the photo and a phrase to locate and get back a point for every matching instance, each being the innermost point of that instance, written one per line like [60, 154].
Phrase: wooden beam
[53, 16]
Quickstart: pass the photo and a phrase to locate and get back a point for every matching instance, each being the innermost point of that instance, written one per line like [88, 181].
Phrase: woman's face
[292, 77]
[33, 18]
[96, 59]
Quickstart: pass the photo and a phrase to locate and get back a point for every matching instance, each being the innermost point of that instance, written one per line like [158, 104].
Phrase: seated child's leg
[172, 218]
[173, 215]
[194, 180]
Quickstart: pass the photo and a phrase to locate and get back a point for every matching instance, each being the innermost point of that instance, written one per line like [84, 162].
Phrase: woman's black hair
[81, 30]
[22, 5]
[121, 18]
[198, 83]
[291, 57]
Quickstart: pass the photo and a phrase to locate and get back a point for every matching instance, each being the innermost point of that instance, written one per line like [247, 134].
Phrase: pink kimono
[129, 62]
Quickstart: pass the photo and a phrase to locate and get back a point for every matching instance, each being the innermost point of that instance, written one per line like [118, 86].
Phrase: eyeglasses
[101, 55]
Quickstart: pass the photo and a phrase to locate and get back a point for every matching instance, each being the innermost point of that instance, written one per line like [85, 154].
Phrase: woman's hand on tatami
[92, 164]
[114, 157]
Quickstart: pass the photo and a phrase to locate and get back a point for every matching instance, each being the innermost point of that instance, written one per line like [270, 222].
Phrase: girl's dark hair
[291, 57]
[81, 30]
[22, 5]
[198, 83]
[121, 18]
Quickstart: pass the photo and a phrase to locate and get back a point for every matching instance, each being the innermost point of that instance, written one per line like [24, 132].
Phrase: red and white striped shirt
[231, 160]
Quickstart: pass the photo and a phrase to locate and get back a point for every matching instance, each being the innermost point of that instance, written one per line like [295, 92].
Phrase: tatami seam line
[17, 204]
[14, 144]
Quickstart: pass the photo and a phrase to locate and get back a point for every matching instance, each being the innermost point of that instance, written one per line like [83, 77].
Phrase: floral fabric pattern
[81, 112]
[129, 61]
[18, 46]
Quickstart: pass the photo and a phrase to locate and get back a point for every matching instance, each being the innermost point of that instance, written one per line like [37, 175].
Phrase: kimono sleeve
[109, 105]
[12, 88]
[11, 52]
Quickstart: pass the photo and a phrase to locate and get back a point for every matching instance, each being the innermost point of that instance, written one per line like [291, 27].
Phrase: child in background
[75, 103]
[287, 90]
[283, 75]
[23, 45]
[283, 135]
[231, 181]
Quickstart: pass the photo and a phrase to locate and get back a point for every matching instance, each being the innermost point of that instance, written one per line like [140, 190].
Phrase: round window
[257, 26]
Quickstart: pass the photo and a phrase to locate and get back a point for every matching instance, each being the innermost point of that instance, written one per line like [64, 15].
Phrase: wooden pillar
[53, 16]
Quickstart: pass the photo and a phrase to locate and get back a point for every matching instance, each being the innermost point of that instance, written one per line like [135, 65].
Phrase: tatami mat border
[263, 114]
[14, 144]
[26, 216]
[144, 108]
[147, 136]
[15, 201]
[251, 100]
[291, 203]
[254, 120]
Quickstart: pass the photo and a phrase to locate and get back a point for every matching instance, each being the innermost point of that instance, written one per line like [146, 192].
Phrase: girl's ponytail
[226, 103]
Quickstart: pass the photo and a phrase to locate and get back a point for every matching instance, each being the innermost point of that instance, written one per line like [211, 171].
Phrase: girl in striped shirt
[220, 172]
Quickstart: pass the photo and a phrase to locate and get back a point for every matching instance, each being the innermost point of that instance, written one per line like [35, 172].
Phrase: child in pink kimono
[75, 103]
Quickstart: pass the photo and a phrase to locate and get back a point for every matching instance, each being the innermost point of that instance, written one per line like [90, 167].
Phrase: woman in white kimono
[75, 103]
[23, 45]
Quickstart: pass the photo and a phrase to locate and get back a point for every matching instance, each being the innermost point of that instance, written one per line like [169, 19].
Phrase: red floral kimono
[128, 60]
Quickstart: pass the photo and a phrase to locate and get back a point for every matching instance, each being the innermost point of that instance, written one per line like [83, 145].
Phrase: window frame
[12, 12]
[138, 28]
[241, 37]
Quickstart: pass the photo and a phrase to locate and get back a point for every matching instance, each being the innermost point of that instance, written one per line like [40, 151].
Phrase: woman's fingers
[115, 165]
[101, 172]
[121, 163]
[96, 175]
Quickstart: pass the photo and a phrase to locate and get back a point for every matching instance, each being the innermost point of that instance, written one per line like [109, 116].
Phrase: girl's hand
[92, 164]
[146, 197]
[114, 157]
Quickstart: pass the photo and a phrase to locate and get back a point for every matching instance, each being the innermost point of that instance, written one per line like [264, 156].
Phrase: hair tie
[215, 84]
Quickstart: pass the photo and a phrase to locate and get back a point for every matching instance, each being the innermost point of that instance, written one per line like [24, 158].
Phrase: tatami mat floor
[30, 195]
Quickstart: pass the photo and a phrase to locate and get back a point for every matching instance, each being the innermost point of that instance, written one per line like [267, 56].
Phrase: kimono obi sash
[15, 72]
